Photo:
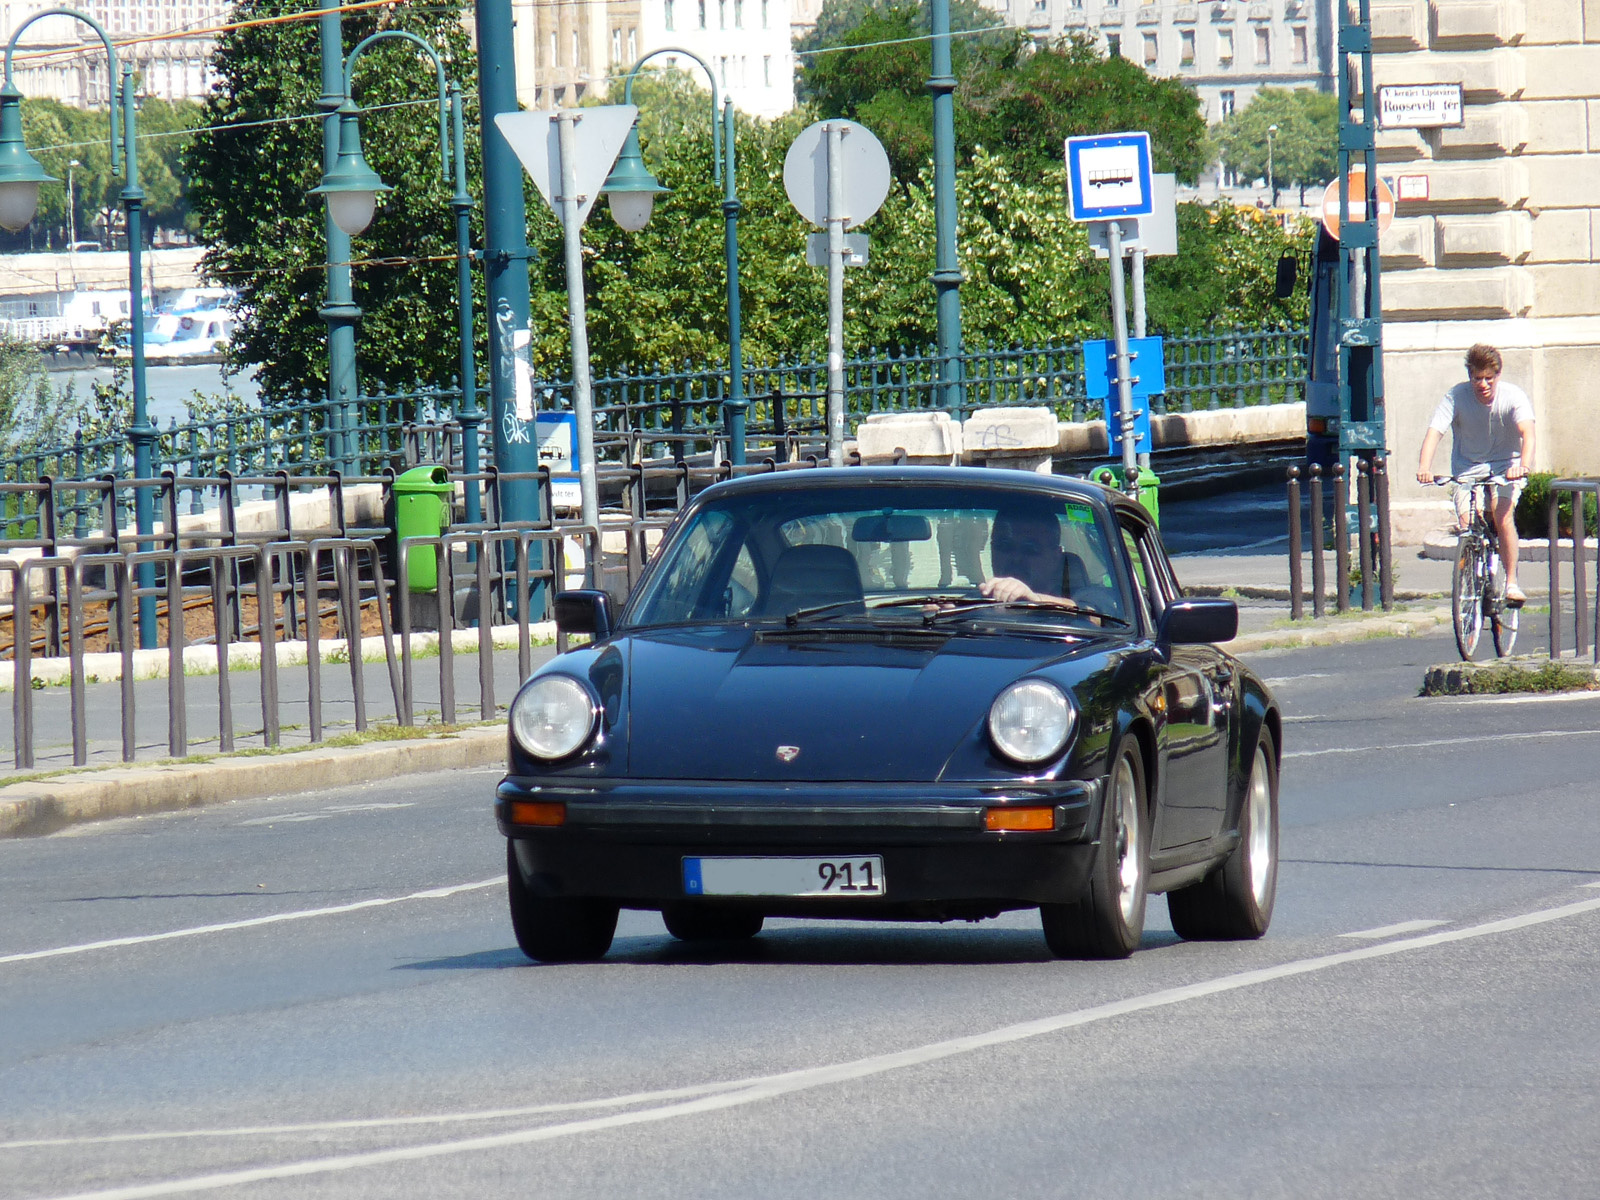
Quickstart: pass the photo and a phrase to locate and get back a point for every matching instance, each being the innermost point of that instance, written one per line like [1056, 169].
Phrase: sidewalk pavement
[42, 805]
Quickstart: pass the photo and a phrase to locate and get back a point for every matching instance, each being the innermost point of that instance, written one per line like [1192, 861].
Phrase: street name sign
[1108, 176]
[1420, 106]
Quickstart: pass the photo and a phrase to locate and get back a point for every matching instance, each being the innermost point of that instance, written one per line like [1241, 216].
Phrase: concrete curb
[1458, 678]
[1441, 544]
[1347, 630]
[35, 807]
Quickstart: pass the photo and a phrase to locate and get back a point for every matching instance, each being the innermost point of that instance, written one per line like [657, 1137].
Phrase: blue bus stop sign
[1148, 379]
[1108, 176]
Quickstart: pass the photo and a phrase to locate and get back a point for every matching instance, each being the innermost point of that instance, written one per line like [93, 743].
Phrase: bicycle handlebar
[1472, 480]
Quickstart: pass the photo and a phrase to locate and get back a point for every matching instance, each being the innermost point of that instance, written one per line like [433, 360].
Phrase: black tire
[1234, 902]
[710, 923]
[1466, 595]
[557, 929]
[1107, 921]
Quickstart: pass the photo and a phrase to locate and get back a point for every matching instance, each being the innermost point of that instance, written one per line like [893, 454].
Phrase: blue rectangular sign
[1108, 176]
[1148, 378]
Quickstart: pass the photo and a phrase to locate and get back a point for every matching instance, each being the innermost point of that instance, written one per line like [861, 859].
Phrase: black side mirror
[1190, 621]
[1288, 272]
[584, 611]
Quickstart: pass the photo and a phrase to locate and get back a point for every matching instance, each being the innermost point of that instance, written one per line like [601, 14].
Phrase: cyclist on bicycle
[1491, 432]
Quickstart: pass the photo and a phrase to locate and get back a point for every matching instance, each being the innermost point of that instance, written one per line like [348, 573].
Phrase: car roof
[986, 478]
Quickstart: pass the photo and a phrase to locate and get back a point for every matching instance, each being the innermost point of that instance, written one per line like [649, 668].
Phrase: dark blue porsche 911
[896, 693]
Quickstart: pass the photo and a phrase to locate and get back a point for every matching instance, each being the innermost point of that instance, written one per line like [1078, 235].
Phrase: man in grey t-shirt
[1491, 433]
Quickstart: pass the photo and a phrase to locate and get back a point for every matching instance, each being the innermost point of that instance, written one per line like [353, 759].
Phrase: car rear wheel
[557, 929]
[710, 923]
[1108, 919]
[1234, 902]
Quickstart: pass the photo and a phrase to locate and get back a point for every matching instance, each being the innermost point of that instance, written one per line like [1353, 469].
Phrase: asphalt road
[319, 996]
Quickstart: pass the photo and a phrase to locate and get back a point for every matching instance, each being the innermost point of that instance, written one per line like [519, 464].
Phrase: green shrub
[1533, 515]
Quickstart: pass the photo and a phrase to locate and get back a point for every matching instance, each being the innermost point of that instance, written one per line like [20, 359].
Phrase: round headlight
[554, 716]
[1031, 721]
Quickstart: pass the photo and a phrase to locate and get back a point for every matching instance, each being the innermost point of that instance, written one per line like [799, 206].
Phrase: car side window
[1148, 574]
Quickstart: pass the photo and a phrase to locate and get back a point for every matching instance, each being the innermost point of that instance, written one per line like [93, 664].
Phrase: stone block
[1401, 145]
[1591, 20]
[1593, 107]
[989, 429]
[1563, 235]
[1399, 25]
[921, 438]
[1477, 187]
[1564, 181]
[1480, 24]
[1556, 126]
[1565, 289]
[1496, 130]
[1485, 76]
[1408, 244]
[1561, 72]
[1552, 24]
[1490, 239]
[1475, 294]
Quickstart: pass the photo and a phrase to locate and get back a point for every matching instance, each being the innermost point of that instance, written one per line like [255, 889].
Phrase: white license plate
[783, 876]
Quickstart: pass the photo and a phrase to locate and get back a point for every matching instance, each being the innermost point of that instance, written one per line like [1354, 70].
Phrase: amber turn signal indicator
[538, 812]
[998, 820]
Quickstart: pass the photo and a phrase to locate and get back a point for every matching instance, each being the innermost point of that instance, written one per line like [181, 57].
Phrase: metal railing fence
[1585, 625]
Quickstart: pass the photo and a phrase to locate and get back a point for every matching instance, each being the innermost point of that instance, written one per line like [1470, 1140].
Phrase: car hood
[846, 706]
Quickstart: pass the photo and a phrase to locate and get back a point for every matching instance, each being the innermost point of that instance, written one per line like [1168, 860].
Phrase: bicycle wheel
[1466, 595]
[1502, 617]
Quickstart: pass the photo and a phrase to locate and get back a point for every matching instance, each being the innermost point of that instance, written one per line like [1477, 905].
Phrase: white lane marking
[322, 814]
[1398, 927]
[1595, 884]
[1455, 741]
[1308, 717]
[485, 1114]
[1222, 551]
[755, 1090]
[1280, 680]
[252, 922]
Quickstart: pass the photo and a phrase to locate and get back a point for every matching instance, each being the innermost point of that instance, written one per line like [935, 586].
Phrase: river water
[166, 388]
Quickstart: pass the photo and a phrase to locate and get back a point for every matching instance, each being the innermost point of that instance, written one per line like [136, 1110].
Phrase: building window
[1263, 45]
[702, 14]
[766, 69]
[722, 14]
[1113, 45]
[1225, 104]
[738, 14]
[1186, 48]
[1225, 49]
[633, 45]
[1301, 54]
[575, 59]
[1150, 48]
[764, 24]
[668, 14]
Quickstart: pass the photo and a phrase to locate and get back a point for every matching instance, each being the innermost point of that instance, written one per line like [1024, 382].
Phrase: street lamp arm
[438, 66]
[716, 108]
[111, 79]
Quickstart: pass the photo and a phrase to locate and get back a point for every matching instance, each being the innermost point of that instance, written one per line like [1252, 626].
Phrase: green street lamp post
[631, 191]
[351, 189]
[20, 177]
[947, 263]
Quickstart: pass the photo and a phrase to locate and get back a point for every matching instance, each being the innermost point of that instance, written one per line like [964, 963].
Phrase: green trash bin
[1149, 487]
[422, 498]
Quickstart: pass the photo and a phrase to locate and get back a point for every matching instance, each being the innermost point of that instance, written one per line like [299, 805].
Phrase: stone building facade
[1227, 50]
[1506, 248]
[63, 60]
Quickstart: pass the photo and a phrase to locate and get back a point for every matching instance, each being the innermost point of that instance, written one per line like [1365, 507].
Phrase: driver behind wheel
[1028, 560]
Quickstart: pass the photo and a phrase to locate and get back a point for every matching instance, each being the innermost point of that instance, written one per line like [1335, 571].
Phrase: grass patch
[1505, 678]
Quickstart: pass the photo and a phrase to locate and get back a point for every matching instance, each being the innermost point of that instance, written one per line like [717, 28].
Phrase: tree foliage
[266, 232]
[1304, 147]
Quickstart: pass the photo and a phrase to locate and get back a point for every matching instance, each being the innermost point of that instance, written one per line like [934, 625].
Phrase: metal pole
[1296, 604]
[506, 256]
[142, 433]
[1119, 326]
[577, 317]
[467, 411]
[737, 404]
[340, 312]
[1143, 455]
[834, 131]
[947, 267]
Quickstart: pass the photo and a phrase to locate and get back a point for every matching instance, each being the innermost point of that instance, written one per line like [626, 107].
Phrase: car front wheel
[1234, 902]
[557, 929]
[1108, 919]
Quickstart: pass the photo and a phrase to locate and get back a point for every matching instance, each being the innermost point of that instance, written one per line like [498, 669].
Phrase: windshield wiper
[973, 606]
[821, 610]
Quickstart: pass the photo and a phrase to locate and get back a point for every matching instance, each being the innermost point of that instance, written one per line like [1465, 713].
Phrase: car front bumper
[627, 841]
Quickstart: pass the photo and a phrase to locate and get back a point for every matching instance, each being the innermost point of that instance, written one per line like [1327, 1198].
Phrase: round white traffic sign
[863, 172]
[1358, 202]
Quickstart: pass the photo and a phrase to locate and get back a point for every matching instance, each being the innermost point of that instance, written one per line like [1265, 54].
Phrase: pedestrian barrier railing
[1373, 579]
[1585, 624]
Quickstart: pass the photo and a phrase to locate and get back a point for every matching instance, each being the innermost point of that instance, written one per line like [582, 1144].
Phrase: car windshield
[910, 554]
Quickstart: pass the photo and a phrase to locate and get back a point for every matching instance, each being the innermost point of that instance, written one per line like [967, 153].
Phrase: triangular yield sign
[598, 134]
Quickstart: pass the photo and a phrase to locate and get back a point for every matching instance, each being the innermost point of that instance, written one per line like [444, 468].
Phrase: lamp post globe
[631, 189]
[20, 172]
[352, 186]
